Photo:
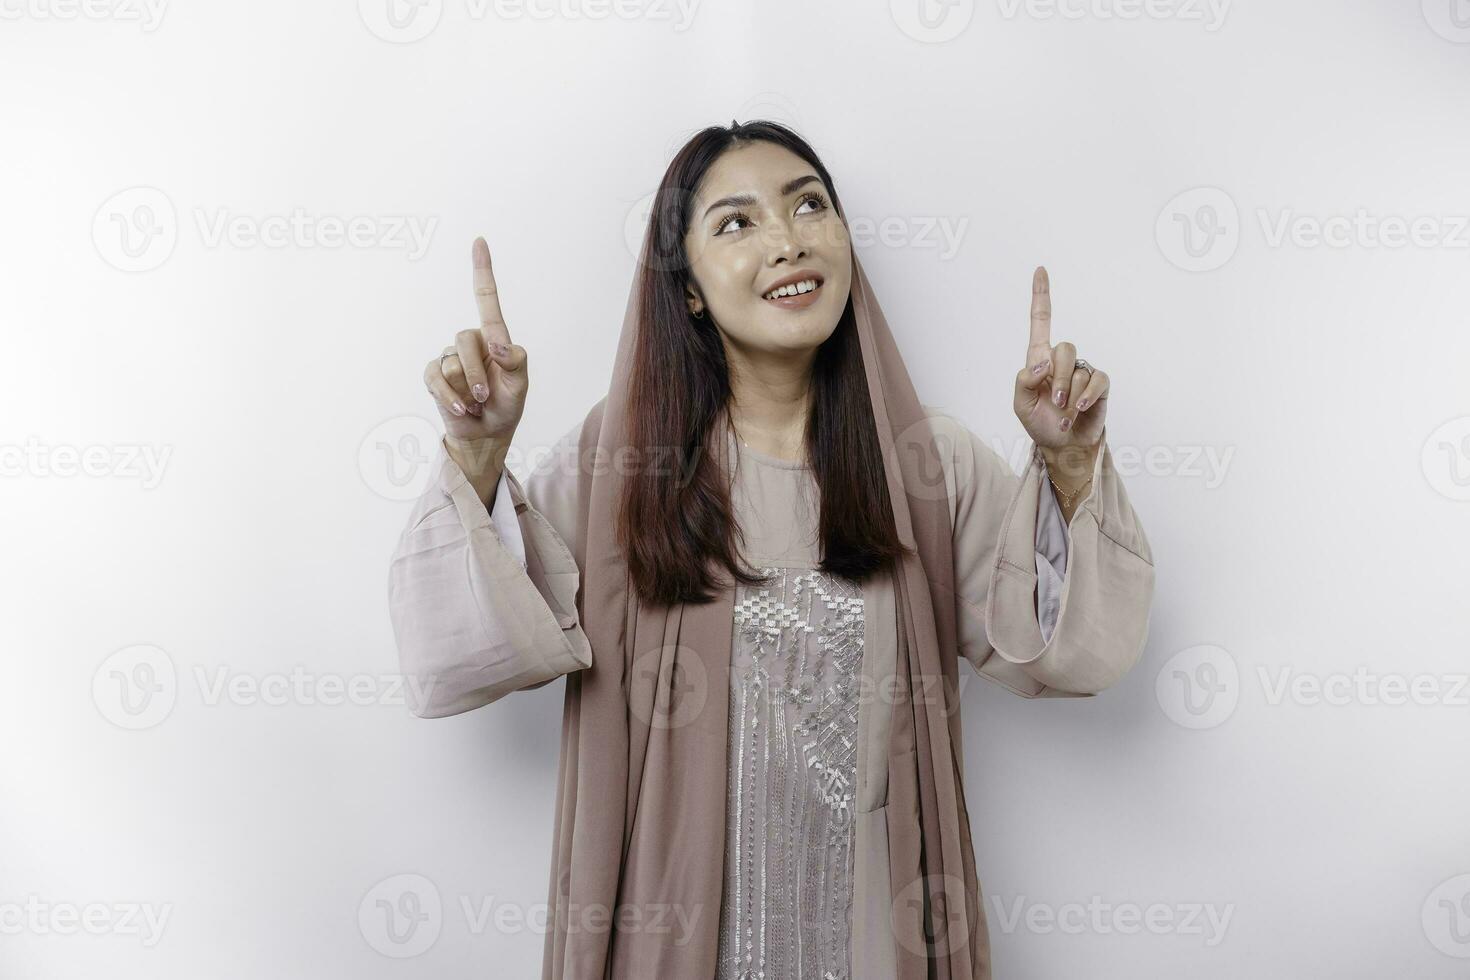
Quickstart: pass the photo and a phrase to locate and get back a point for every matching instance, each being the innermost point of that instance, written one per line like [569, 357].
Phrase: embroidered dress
[484, 604]
[795, 669]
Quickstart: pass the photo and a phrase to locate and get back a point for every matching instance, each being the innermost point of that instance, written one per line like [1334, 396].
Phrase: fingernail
[1061, 397]
[1039, 368]
[500, 349]
[1082, 404]
[457, 408]
[476, 409]
[480, 392]
[1066, 424]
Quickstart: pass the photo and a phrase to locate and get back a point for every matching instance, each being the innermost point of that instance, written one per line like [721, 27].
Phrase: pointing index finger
[1040, 309]
[487, 296]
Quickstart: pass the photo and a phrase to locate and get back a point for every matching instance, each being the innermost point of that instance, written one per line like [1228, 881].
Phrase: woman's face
[780, 224]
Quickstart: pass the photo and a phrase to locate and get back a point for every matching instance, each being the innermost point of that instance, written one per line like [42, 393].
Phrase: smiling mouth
[797, 294]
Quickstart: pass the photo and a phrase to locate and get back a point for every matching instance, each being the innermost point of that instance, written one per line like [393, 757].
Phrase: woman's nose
[785, 244]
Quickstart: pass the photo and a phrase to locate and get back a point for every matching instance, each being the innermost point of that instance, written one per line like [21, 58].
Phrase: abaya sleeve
[1102, 613]
[484, 605]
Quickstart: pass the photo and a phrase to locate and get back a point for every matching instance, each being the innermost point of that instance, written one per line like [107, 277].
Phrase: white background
[278, 388]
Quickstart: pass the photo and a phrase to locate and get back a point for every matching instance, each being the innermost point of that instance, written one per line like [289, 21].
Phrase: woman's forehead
[759, 169]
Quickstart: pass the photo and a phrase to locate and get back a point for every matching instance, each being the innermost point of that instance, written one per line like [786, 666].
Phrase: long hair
[675, 523]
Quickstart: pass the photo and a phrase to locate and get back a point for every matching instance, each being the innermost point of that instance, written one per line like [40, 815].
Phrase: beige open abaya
[640, 811]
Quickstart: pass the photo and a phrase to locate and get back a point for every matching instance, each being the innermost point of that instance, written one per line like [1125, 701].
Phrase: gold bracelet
[1068, 501]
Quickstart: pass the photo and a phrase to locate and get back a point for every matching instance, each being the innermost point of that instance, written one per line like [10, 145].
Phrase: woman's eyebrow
[746, 200]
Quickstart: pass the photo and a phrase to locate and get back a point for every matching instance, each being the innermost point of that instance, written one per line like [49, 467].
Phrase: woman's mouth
[795, 296]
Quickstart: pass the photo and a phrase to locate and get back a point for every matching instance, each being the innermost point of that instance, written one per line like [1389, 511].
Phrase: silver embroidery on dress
[794, 681]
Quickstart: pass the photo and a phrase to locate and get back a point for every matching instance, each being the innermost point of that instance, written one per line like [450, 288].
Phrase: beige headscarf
[640, 813]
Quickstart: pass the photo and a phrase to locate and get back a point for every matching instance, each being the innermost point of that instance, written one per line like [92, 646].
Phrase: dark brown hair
[675, 522]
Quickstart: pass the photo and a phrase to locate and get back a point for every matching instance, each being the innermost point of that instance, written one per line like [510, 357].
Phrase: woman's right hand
[479, 382]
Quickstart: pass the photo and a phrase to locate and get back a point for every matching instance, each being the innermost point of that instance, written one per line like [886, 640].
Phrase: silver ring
[448, 353]
[1080, 363]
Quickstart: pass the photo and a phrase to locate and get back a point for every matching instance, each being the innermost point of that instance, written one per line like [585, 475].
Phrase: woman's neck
[769, 409]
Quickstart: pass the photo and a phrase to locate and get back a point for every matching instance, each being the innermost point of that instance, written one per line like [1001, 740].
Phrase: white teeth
[805, 286]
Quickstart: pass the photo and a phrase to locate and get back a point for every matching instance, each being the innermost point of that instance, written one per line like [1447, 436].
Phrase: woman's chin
[811, 325]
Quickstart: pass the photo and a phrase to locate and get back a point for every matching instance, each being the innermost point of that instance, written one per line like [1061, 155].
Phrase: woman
[758, 561]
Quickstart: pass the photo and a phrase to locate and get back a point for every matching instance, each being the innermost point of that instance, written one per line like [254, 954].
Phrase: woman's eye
[821, 204]
[730, 220]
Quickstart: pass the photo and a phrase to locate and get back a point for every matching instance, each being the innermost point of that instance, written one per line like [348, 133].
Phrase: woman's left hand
[1061, 403]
